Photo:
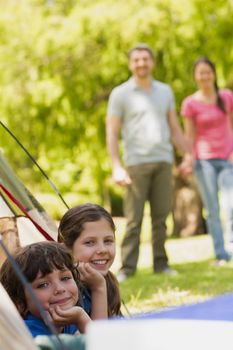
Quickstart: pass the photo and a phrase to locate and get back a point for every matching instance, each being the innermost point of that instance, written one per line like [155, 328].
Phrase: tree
[60, 59]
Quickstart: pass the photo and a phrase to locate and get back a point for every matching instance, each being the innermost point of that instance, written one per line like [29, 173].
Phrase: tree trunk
[187, 207]
[9, 232]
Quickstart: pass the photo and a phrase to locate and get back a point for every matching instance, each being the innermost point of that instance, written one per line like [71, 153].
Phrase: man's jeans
[214, 178]
[152, 182]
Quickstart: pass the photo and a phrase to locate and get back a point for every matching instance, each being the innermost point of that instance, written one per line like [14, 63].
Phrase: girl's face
[56, 288]
[96, 245]
[204, 76]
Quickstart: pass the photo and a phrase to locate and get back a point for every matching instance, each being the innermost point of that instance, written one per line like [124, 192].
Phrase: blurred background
[59, 60]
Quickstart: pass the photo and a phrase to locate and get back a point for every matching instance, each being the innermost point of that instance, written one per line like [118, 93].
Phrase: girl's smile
[96, 245]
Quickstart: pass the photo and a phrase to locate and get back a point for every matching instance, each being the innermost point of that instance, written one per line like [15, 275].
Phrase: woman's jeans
[214, 178]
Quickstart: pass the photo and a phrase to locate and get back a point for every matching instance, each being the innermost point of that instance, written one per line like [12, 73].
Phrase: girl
[49, 268]
[89, 232]
[208, 124]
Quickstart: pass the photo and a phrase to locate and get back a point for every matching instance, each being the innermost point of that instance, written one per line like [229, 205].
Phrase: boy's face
[96, 245]
[56, 288]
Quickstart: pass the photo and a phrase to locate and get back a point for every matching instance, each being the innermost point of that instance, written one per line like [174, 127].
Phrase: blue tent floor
[219, 308]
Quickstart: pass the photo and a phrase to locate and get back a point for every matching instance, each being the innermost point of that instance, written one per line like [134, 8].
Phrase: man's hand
[120, 176]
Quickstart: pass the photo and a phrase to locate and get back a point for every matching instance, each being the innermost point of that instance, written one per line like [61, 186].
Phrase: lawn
[197, 280]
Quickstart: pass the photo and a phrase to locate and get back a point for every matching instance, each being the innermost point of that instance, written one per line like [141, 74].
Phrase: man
[144, 110]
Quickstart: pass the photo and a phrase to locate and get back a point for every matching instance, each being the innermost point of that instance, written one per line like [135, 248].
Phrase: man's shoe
[168, 271]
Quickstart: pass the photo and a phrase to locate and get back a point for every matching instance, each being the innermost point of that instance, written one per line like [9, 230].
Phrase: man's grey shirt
[144, 115]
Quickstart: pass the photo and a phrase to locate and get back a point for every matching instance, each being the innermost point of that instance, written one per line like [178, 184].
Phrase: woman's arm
[231, 154]
[185, 167]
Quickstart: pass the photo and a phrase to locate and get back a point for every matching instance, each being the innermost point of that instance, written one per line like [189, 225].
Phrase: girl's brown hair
[41, 257]
[70, 228]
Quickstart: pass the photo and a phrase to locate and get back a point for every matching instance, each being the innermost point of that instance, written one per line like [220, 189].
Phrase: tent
[13, 332]
[22, 219]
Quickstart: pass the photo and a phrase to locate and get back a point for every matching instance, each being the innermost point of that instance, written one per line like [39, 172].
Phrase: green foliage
[60, 59]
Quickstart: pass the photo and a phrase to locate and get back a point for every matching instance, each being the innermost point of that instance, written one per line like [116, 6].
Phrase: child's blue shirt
[85, 300]
[37, 326]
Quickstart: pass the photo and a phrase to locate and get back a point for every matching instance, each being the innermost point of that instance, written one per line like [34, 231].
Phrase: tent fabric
[29, 214]
[15, 335]
[71, 342]
[22, 219]
[217, 308]
[13, 332]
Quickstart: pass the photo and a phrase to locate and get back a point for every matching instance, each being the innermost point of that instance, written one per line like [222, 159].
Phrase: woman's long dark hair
[206, 60]
[70, 228]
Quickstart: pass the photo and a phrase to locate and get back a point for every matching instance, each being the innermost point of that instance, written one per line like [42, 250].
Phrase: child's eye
[109, 241]
[66, 278]
[89, 243]
[42, 285]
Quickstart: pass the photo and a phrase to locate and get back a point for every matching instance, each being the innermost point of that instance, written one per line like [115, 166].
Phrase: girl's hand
[97, 284]
[92, 278]
[74, 315]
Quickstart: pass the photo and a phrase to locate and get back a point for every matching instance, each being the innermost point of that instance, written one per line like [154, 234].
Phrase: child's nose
[59, 288]
[101, 248]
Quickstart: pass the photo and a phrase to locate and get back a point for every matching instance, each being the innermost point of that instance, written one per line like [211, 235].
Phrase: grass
[197, 280]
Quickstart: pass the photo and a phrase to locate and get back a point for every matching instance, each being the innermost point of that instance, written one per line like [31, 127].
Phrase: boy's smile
[56, 288]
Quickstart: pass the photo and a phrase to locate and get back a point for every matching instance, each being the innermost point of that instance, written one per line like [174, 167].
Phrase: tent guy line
[35, 162]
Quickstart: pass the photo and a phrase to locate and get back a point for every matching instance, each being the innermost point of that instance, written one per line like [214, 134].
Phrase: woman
[208, 125]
